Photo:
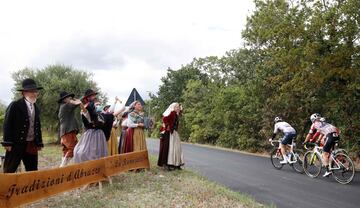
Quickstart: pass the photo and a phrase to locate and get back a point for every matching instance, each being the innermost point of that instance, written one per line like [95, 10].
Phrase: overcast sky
[125, 44]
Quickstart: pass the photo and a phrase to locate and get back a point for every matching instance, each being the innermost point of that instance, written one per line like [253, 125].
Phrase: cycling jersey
[284, 127]
[323, 128]
[314, 138]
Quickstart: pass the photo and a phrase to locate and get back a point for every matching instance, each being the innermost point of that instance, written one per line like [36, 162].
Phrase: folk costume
[113, 141]
[164, 146]
[138, 136]
[22, 131]
[92, 144]
[128, 142]
[175, 156]
[69, 127]
[128, 134]
[113, 127]
[124, 127]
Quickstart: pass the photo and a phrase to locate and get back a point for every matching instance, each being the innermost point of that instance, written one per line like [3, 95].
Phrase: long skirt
[175, 157]
[92, 146]
[128, 143]
[122, 140]
[164, 149]
[113, 142]
[139, 139]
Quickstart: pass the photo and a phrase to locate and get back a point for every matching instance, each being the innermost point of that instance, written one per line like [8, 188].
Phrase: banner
[21, 188]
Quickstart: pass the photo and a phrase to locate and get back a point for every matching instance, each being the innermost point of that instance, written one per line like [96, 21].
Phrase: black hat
[64, 95]
[89, 92]
[28, 85]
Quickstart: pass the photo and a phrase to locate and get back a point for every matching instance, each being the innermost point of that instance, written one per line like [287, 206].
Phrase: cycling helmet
[314, 116]
[277, 119]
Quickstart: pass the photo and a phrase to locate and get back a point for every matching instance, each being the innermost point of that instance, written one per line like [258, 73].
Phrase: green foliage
[300, 57]
[197, 113]
[54, 79]
[2, 115]
[171, 91]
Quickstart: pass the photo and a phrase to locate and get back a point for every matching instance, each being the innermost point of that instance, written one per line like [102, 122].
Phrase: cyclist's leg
[293, 140]
[290, 145]
[283, 145]
[329, 143]
[283, 152]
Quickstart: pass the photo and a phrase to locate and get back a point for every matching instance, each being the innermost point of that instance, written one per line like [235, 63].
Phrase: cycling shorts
[331, 138]
[288, 138]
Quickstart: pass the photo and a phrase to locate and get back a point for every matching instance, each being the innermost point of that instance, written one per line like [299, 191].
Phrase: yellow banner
[21, 188]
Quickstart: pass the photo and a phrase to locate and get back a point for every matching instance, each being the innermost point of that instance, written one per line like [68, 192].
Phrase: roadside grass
[152, 188]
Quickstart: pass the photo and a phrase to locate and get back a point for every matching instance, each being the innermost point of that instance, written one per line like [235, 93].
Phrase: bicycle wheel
[298, 157]
[343, 168]
[342, 151]
[312, 164]
[275, 158]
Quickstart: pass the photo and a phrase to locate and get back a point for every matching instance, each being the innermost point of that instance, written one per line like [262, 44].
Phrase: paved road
[257, 177]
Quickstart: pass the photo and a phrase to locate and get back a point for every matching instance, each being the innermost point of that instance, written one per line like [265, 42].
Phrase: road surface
[255, 176]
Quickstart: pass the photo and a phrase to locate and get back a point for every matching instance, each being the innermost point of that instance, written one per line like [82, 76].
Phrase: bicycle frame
[317, 150]
[289, 145]
[338, 163]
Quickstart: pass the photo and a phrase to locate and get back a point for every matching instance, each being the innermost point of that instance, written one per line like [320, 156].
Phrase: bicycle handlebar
[273, 141]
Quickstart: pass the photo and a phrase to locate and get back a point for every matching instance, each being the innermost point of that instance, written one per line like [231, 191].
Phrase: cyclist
[317, 137]
[289, 134]
[331, 134]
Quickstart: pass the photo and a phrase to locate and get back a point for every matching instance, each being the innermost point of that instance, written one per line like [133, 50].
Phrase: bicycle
[340, 164]
[295, 157]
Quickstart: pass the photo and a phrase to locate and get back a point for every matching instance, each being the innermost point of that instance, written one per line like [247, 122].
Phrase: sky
[125, 44]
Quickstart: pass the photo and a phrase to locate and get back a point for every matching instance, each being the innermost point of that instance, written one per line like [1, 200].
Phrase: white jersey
[322, 127]
[284, 127]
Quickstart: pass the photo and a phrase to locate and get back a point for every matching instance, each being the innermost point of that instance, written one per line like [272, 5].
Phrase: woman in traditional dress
[113, 143]
[128, 135]
[170, 134]
[135, 122]
[164, 146]
[112, 124]
[92, 144]
[123, 125]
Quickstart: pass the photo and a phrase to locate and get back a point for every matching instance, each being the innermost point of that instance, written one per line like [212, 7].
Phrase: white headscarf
[170, 109]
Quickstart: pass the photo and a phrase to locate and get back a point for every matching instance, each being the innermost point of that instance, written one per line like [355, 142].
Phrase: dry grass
[153, 188]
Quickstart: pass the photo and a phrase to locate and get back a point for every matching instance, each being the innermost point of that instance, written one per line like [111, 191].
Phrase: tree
[300, 57]
[311, 61]
[54, 79]
[2, 114]
[171, 90]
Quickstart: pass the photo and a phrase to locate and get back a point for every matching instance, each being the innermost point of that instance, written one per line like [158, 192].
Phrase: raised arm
[112, 108]
[122, 109]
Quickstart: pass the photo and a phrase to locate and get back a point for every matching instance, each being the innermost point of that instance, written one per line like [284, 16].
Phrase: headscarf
[170, 109]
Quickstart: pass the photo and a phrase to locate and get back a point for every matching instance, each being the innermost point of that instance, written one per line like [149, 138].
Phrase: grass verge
[153, 188]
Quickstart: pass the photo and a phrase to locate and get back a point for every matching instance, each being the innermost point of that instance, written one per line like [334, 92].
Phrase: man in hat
[69, 127]
[22, 130]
